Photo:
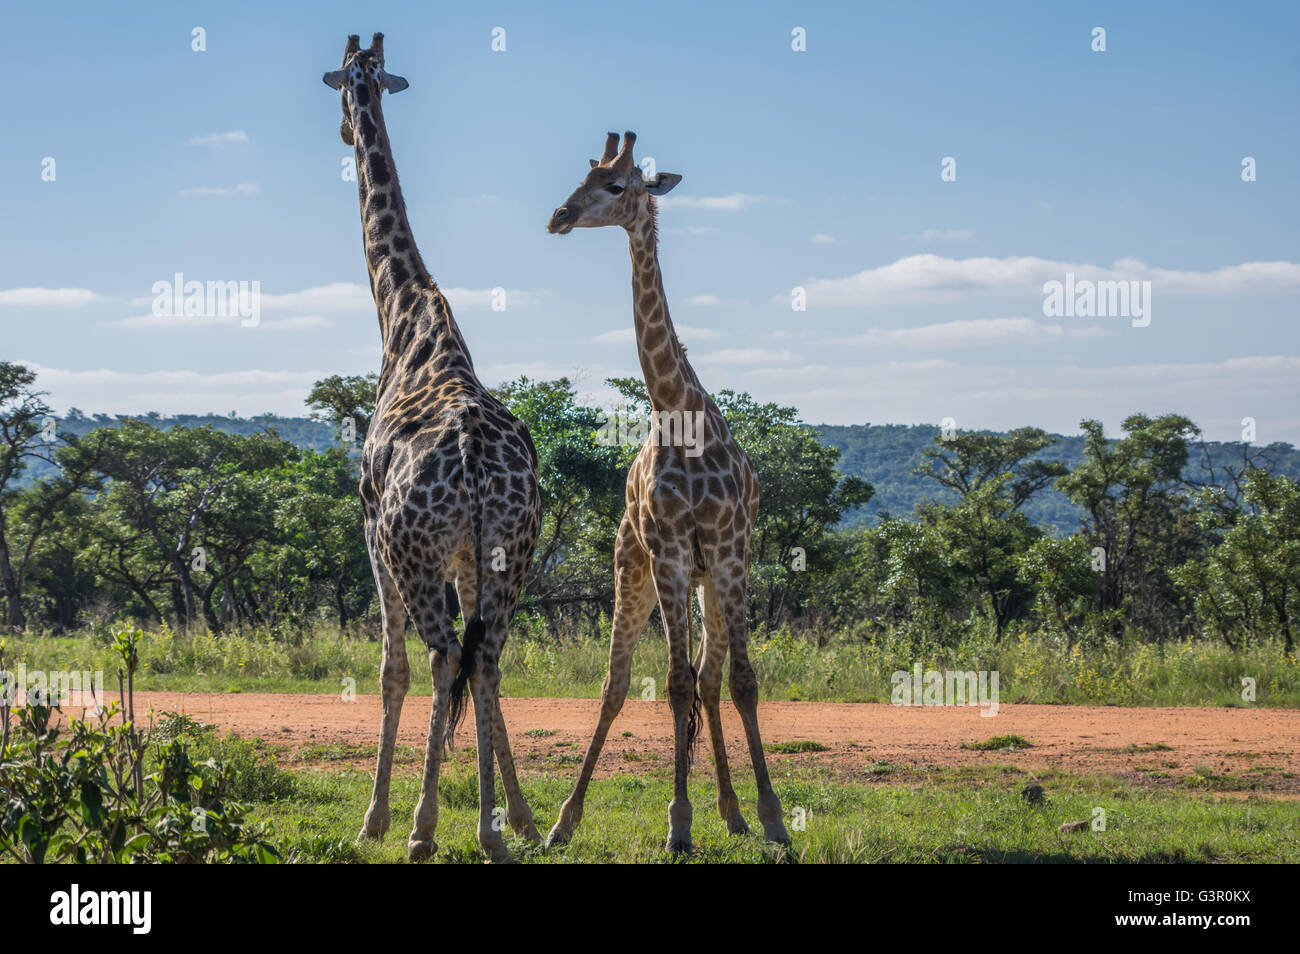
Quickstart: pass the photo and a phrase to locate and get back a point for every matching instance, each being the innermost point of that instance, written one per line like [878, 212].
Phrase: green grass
[1138, 748]
[1032, 669]
[796, 746]
[999, 742]
[942, 817]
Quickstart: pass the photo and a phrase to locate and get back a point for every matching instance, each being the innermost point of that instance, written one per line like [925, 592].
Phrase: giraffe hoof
[558, 836]
[420, 849]
[374, 827]
[530, 833]
[778, 835]
[495, 850]
[736, 825]
[680, 846]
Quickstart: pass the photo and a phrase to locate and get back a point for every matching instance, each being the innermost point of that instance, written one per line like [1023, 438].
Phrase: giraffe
[448, 486]
[690, 512]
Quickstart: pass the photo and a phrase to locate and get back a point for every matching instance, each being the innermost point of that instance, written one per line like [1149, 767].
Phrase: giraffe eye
[614, 189]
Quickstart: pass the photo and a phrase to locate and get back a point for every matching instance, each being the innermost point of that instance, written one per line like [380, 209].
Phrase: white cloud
[234, 137]
[821, 238]
[153, 322]
[350, 296]
[47, 297]
[929, 276]
[336, 296]
[736, 202]
[219, 192]
[1215, 394]
[703, 300]
[686, 333]
[977, 332]
[248, 392]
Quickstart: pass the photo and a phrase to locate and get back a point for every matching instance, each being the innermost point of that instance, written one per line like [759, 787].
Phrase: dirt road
[1246, 749]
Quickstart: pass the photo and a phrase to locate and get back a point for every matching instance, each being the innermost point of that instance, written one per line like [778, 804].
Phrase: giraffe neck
[669, 377]
[391, 255]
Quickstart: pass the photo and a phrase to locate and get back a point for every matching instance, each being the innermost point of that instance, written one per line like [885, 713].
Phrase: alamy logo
[103, 907]
[1085, 298]
[666, 428]
[947, 688]
[181, 299]
[49, 688]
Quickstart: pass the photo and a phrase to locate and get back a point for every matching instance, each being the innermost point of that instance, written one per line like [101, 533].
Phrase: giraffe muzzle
[562, 221]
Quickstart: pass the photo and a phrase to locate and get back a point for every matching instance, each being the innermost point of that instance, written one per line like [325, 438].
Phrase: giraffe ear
[662, 183]
[392, 82]
[335, 79]
[594, 163]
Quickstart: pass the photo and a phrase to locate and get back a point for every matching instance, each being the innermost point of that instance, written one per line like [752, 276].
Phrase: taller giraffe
[691, 504]
[448, 485]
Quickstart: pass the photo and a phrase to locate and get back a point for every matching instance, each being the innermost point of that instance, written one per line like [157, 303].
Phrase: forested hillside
[885, 456]
[231, 524]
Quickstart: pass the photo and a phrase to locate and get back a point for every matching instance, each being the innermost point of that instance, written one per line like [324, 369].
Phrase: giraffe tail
[475, 628]
[693, 718]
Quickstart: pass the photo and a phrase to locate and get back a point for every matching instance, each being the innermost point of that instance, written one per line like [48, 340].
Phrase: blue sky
[817, 169]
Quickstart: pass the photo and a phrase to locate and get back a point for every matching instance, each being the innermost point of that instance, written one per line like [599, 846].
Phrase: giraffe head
[614, 192]
[361, 79]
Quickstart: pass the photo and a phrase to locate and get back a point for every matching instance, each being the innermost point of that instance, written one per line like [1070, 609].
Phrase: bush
[101, 791]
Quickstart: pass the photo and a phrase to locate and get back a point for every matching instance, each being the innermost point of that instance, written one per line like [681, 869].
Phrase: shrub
[101, 791]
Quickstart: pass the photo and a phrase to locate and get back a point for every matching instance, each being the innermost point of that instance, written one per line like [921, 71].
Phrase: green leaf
[92, 804]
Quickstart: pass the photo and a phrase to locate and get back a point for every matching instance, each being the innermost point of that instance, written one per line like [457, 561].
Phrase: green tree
[27, 513]
[995, 475]
[1136, 512]
[341, 400]
[1060, 572]
[1249, 584]
[320, 542]
[581, 484]
[178, 509]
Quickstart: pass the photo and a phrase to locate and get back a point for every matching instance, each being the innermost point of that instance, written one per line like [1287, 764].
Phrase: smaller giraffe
[691, 504]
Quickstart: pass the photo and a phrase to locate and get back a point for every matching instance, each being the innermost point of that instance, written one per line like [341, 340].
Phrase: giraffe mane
[654, 219]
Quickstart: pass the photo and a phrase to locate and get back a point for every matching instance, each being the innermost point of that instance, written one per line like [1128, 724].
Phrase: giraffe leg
[633, 603]
[427, 603]
[518, 814]
[672, 583]
[713, 652]
[421, 844]
[744, 693]
[394, 679]
[484, 682]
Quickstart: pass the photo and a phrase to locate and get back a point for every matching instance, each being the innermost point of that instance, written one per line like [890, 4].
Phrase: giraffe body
[687, 528]
[449, 488]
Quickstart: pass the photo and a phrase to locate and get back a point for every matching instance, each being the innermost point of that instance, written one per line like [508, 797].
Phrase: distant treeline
[887, 456]
[884, 455]
[228, 524]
